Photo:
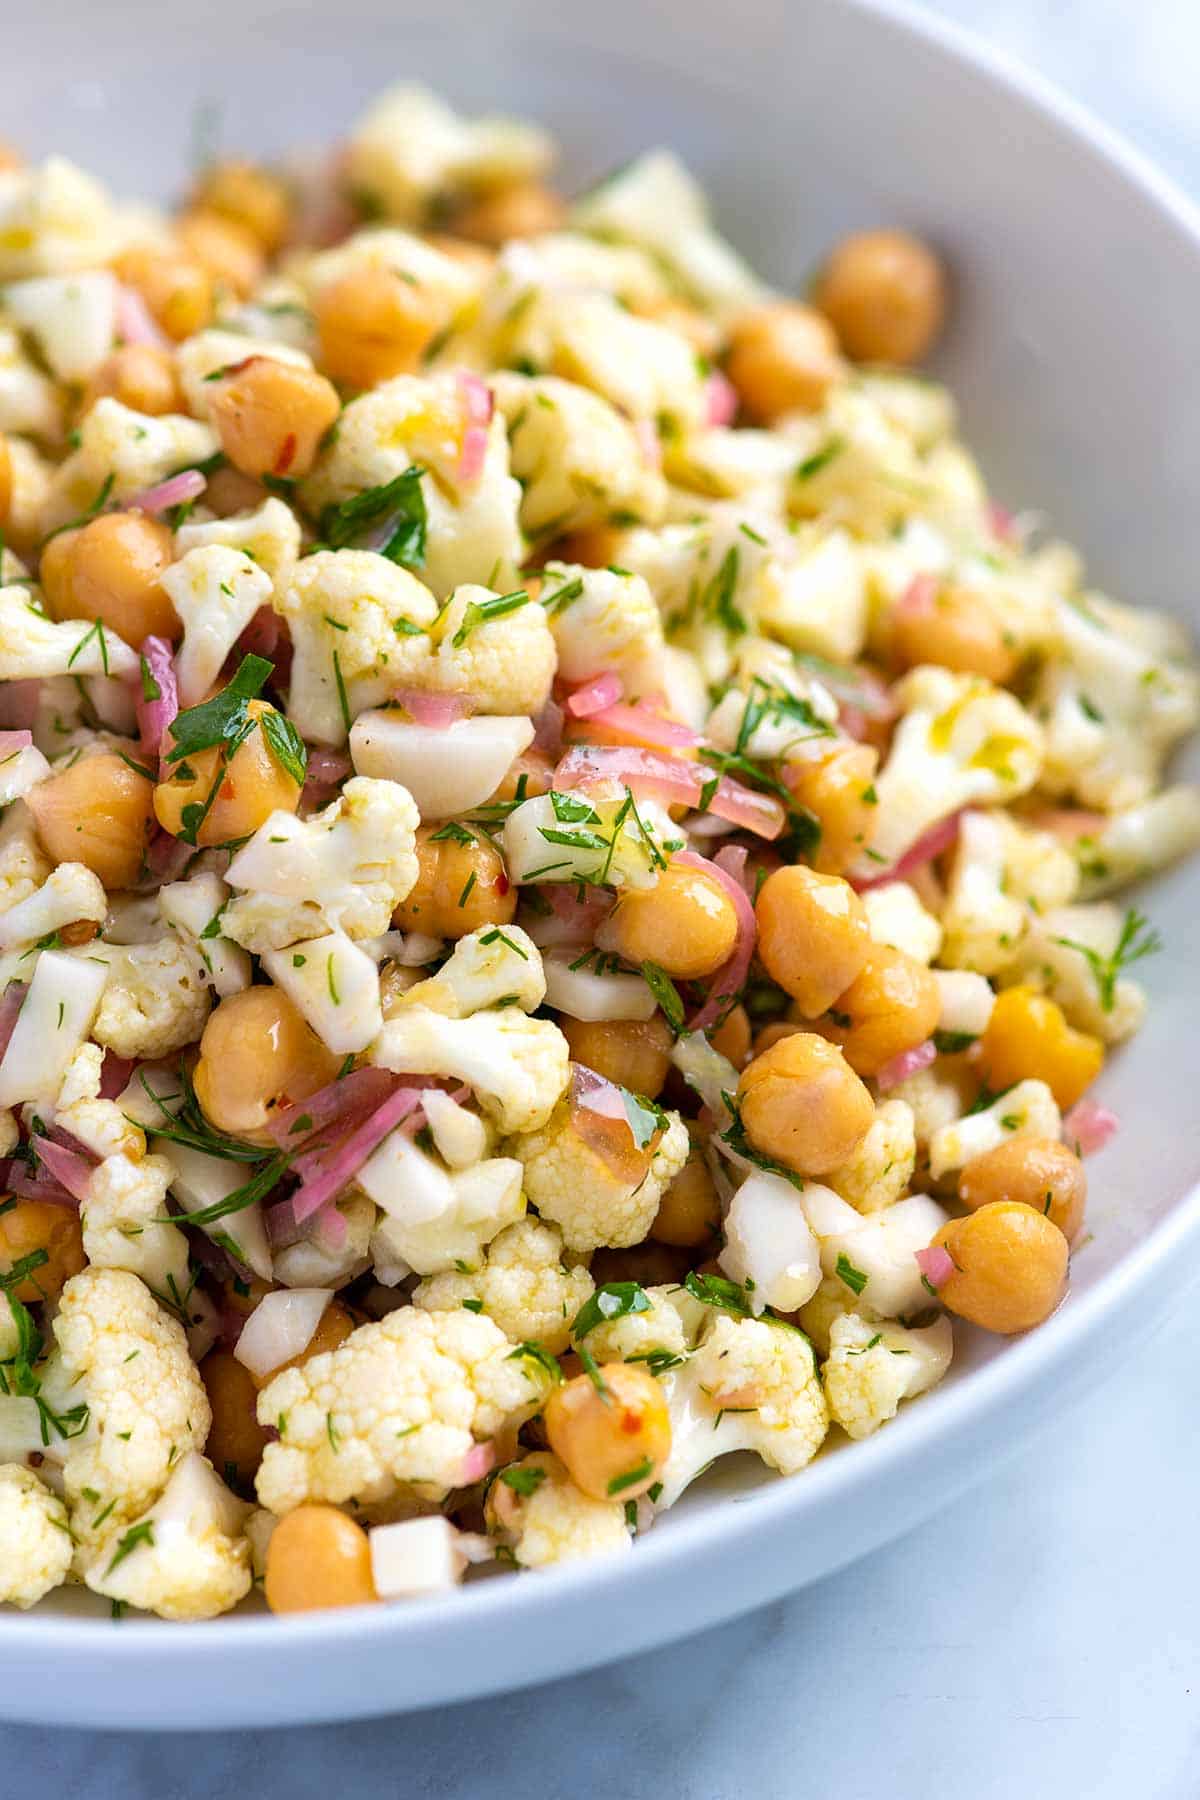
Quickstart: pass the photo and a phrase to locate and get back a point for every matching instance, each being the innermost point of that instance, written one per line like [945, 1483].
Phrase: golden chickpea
[613, 1438]
[594, 546]
[236, 1440]
[254, 786]
[533, 767]
[112, 569]
[884, 292]
[250, 196]
[227, 250]
[635, 1053]
[97, 812]
[813, 935]
[140, 376]
[732, 1036]
[783, 358]
[229, 491]
[774, 1033]
[459, 888]
[953, 627]
[802, 1105]
[650, 1263]
[333, 1328]
[316, 1558]
[257, 1056]
[372, 324]
[892, 1006]
[1010, 1266]
[839, 792]
[271, 416]
[6, 479]
[1028, 1038]
[522, 211]
[1037, 1172]
[689, 1211]
[31, 1225]
[176, 287]
[685, 923]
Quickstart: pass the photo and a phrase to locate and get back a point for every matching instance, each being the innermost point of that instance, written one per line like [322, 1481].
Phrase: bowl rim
[934, 1431]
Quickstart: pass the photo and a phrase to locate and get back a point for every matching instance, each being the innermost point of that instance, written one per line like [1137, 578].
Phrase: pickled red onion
[595, 696]
[575, 917]
[67, 1167]
[907, 1063]
[936, 1264]
[673, 782]
[10, 1008]
[348, 1102]
[327, 1174]
[177, 490]
[930, 845]
[478, 405]
[721, 399]
[648, 443]
[13, 742]
[730, 978]
[1090, 1126]
[156, 716]
[115, 1074]
[261, 635]
[438, 711]
[135, 323]
[478, 1461]
[643, 725]
[327, 769]
[19, 703]
[919, 596]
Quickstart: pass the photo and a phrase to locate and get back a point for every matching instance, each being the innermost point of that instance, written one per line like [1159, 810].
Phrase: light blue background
[1040, 1641]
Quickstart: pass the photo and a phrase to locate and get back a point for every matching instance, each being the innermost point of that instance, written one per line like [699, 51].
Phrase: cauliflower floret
[401, 1401]
[437, 1220]
[517, 1066]
[33, 646]
[749, 1385]
[1026, 1110]
[769, 1248]
[23, 863]
[123, 1227]
[132, 450]
[30, 403]
[603, 620]
[1139, 841]
[485, 969]
[71, 319]
[193, 907]
[936, 1096]
[873, 1256]
[334, 986]
[126, 1361]
[896, 916]
[591, 835]
[1075, 953]
[155, 1000]
[521, 1284]
[270, 534]
[35, 1538]
[497, 649]
[578, 461]
[833, 1300]
[357, 625]
[961, 741]
[966, 1002]
[571, 1184]
[410, 150]
[54, 219]
[882, 1166]
[9, 1138]
[71, 893]
[707, 579]
[56, 1016]
[1000, 872]
[347, 867]
[538, 1514]
[856, 466]
[186, 1558]
[466, 506]
[670, 1325]
[99, 1124]
[216, 592]
[311, 1263]
[30, 478]
[871, 1368]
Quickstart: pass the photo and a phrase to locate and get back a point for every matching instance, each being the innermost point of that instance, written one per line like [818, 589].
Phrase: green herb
[240, 1198]
[845, 1271]
[568, 809]
[150, 687]
[532, 1351]
[592, 1371]
[481, 612]
[189, 1127]
[132, 1540]
[97, 506]
[658, 1361]
[562, 597]
[394, 512]
[666, 994]
[615, 1300]
[949, 1043]
[1137, 939]
[715, 1290]
[646, 1119]
[343, 702]
[820, 459]
[495, 935]
[717, 598]
[222, 722]
[631, 1477]
[741, 1146]
[96, 631]
[473, 1306]
[467, 886]
[453, 833]
[286, 745]
[523, 1481]
[335, 1442]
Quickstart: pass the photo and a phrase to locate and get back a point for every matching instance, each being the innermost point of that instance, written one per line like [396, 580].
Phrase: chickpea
[953, 627]
[1037, 1172]
[317, 1557]
[783, 357]
[803, 1106]
[774, 1033]
[893, 1005]
[839, 793]
[236, 1440]
[140, 376]
[524, 210]
[689, 1211]
[372, 324]
[532, 766]
[176, 287]
[97, 812]
[271, 416]
[594, 546]
[652, 1264]
[6, 479]
[459, 888]
[112, 569]
[1027, 1037]
[333, 1328]
[732, 1036]
[394, 982]
[257, 1055]
[813, 936]
[31, 1225]
[254, 785]
[635, 1053]
[229, 491]
[613, 1439]
[251, 197]
[884, 292]
[1010, 1266]
[685, 923]
[226, 249]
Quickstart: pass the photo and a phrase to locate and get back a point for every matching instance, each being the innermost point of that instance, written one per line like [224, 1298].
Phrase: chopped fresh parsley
[393, 516]
[615, 1300]
[1137, 939]
[666, 994]
[631, 1477]
[523, 1481]
[855, 1279]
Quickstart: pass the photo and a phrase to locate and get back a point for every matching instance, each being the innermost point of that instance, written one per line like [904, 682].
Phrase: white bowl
[1072, 350]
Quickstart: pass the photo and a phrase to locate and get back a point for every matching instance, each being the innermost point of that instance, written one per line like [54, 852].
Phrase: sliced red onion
[438, 711]
[177, 490]
[907, 1063]
[10, 1007]
[13, 742]
[280, 1327]
[167, 856]
[730, 978]
[919, 596]
[932, 844]
[115, 1075]
[157, 716]
[19, 704]
[478, 1462]
[732, 859]
[135, 325]
[39, 1186]
[261, 636]
[347, 1102]
[1003, 523]
[642, 725]
[324, 1182]
[327, 769]
[673, 781]
[649, 443]
[721, 399]
[1090, 1126]
[478, 405]
[595, 695]
[573, 919]
[548, 729]
[1069, 823]
[936, 1264]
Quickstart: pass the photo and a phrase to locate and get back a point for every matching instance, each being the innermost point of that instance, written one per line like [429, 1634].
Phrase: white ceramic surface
[804, 119]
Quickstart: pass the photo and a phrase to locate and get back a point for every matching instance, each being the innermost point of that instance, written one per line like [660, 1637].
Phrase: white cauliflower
[496, 648]
[857, 466]
[57, 1015]
[1139, 841]
[71, 319]
[521, 1284]
[436, 1219]
[449, 770]
[123, 1226]
[769, 1247]
[30, 402]
[410, 150]
[833, 1300]
[593, 834]
[198, 1181]
[334, 985]
[23, 863]
[538, 1514]
[194, 907]
[54, 219]
[578, 460]
[873, 1256]
[270, 535]
[21, 770]
[602, 621]
[1001, 873]
[486, 968]
[1075, 954]
[517, 1066]
[871, 1368]
[592, 1204]
[669, 1326]
[216, 591]
[33, 646]
[35, 1538]
[1026, 1110]
[136, 450]
[402, 1401]
[896, 917]
[967, 1002]
[185, 1558]
[882, 1166]
[70, 894]
[346, 868]
[155, 1000]
[312, 1263]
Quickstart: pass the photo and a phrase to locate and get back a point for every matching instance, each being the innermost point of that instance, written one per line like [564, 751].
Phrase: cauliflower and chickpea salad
[556, 867]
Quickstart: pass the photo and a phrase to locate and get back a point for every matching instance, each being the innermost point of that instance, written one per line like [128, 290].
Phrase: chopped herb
[666, 994]
[394, 511]
[949, 1043]
[335, 1442]
[562, 597]
[741, 1146]
[97, 506]
[820, 459]
[495, 935]
[331, 979]
[855, 1279]
[631, 1477]
[715, 1290]
[1137, 939]
[286, 745]
[523, 1481]
[467, 886]
[615, 1300]
[592, 1371]
[343, 702]
[473, 1306]
[132, 1540]
[532, 1351]
[150, 687]
[480, 612]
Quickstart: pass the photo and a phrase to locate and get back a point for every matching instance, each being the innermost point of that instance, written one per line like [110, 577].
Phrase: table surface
[1040, 1639]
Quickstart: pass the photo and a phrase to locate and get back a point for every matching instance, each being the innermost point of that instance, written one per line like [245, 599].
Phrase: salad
[558, 855]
